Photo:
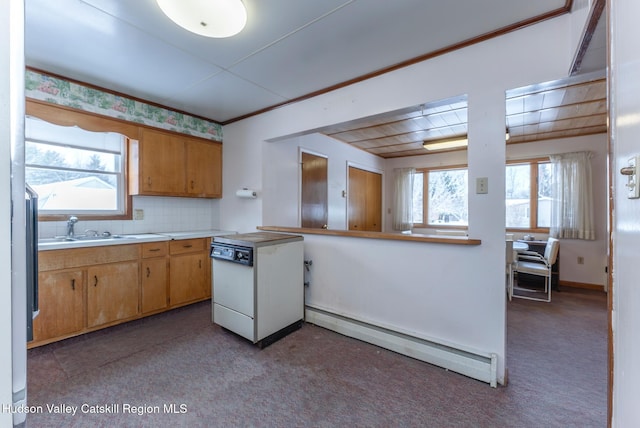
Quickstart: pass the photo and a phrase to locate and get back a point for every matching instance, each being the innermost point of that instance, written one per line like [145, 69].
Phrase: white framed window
[441, 197]
[528, 194]
[74, 171]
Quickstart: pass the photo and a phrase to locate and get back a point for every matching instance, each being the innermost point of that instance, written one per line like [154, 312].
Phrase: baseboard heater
[476, 365]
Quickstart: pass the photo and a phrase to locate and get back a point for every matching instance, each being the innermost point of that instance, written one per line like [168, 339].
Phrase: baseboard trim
[477, 365]
[583, 285]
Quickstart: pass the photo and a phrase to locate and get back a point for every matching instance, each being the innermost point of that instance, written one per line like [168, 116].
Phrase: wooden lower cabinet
[190, 271]
[154, 284]
[154, 270]
[86, 289]
[112, 293]
[62, 309]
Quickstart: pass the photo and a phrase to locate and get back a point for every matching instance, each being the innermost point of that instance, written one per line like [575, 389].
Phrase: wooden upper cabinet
[167, 164]
[204, 172]
[161, 163]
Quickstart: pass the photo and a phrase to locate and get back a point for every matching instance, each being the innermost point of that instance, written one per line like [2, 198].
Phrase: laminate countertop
[59, 243]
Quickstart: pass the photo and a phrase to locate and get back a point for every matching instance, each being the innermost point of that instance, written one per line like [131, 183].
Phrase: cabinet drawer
[154, 249]
[188, 245]
[78, 257]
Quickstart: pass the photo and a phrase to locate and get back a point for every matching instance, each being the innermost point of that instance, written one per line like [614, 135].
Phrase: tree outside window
[75, 171]
[446, 202]
[527, 196]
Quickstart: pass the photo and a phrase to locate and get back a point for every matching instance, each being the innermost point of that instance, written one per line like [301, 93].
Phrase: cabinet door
[190, 278]
[112, 292]
[204, 168]
[61, 298]
[154, 284]
[162, 163]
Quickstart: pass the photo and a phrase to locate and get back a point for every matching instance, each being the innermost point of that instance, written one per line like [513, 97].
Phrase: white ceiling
[289, 49]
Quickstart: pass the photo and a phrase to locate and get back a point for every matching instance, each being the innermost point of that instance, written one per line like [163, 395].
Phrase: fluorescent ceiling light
[450, 143]
[209, 18]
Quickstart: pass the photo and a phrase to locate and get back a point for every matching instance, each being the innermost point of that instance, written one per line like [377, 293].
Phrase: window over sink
[75, 171]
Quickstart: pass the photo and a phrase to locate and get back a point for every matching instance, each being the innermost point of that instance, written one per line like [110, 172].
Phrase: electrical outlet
[138, 214]
[580, 260]
[482, 185]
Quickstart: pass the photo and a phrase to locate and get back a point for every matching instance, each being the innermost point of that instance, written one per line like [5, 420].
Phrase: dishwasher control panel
[232, 253]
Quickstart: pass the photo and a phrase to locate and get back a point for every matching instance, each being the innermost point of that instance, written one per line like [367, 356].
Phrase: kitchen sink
[59, 242]
[101, 238]
[84, 238]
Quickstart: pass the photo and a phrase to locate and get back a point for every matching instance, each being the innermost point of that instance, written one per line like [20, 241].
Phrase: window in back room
[75, 171]
[528, 194]
[440, 197]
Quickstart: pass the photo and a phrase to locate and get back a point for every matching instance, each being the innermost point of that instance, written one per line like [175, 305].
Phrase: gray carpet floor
[178, 370]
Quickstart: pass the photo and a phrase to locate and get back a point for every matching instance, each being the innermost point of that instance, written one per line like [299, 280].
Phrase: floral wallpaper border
[54, 90]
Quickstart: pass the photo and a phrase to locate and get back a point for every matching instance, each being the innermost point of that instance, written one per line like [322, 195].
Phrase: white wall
[535, 54]
[11, 108]
[5, 218]
[281, 193]
[399, 285]
[624, 91]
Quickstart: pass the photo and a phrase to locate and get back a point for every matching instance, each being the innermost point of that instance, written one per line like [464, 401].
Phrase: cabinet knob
[95, 280]
[148, 272]
[73, 283]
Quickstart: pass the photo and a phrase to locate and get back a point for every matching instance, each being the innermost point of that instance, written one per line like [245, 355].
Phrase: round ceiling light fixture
[209, 18]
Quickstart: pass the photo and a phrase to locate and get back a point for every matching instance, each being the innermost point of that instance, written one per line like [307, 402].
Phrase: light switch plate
[482, 185]
[138, 214]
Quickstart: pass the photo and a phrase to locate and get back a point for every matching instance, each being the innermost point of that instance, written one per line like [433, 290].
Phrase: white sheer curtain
[403, 199]
[572, 190]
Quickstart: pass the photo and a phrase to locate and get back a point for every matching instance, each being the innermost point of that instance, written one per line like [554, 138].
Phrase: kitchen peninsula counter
[415, 237]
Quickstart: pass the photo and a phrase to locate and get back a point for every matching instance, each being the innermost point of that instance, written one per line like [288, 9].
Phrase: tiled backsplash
[161, 214]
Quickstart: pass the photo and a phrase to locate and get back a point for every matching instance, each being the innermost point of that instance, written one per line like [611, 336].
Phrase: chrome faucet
[70, 223]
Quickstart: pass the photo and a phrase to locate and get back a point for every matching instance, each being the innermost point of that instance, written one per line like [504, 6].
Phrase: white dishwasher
[258, 284]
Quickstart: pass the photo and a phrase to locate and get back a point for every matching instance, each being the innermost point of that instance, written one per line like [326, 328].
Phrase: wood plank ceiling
[568, 108]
